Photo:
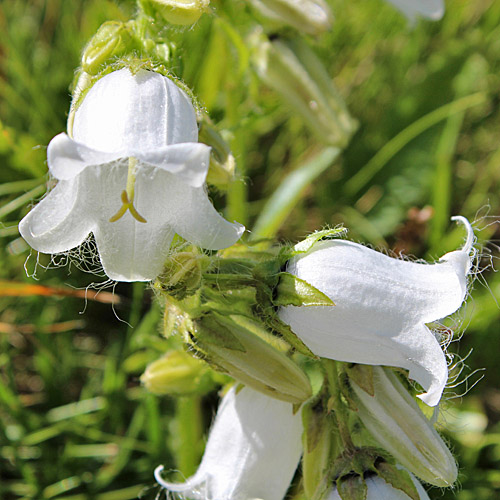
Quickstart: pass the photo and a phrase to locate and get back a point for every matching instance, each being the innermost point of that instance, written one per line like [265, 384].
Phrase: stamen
[127, 195]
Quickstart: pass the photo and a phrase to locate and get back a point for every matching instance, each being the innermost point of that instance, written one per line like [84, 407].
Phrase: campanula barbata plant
[312, 345]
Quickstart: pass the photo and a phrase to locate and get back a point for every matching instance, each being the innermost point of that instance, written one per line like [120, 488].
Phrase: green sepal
[293, 291]
[363, 376]
[397, 478]
[238, 301]
[208, 330]
[326, 234]
[352, 487]
[276, 325]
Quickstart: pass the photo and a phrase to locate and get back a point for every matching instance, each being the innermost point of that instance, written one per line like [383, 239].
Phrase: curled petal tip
[470, 232]
[157, 474]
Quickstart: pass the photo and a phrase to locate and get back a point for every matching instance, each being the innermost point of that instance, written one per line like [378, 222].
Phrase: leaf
[16, 289]
[290, 191]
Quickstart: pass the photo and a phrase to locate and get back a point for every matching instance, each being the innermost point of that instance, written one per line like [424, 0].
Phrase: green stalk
[441, 195]
[341, 411]
[189, 434]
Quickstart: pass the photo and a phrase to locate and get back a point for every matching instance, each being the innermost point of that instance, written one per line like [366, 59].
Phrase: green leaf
[290, 191]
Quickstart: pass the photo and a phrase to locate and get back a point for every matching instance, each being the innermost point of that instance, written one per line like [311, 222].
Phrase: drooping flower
[308, 16]
[132, 174]
[382, 305]
[252, 451]
[378, 489]
[432, 9]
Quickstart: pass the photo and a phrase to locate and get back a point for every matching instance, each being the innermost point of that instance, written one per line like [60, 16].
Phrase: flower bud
[308, 16]
[112, 39]
[373, 488]
[177, 374]
[182, 272]
[236, 349]
[178, 11]
[222, 162]
[292, 69]
[394, 419]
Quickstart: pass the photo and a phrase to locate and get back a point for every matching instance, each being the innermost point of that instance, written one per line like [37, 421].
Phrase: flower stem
[189, 429]
[340, 410]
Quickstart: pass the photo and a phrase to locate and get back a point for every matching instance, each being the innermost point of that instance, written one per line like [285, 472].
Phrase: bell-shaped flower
[382, 305]
[133, 174]
[378, 489]
[432, 9]
[252, 452]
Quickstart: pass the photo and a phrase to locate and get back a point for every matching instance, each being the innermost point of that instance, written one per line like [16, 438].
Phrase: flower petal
[58, 223]
[67, 158]
[252, 451]
[432, 9]
[190, 160]
[141, 112]
[195, 219]
[129, 250]
[382, 305]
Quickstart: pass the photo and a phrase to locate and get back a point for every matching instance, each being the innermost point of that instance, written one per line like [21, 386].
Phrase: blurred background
[74, 420]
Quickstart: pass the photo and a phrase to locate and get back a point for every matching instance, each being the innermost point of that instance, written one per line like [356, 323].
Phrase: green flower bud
[113, 39]
[222, 164]
[177, 373]
[182, 272]
[308, 16]
[292, 69]
[394, 419]
[235, 347]
[178, 11]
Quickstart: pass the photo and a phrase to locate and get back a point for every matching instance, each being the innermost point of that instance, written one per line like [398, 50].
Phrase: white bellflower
[133, 174]
[252, 451]
[381, 307]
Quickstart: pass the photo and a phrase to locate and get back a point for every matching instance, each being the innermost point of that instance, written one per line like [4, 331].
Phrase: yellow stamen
[127, 195]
